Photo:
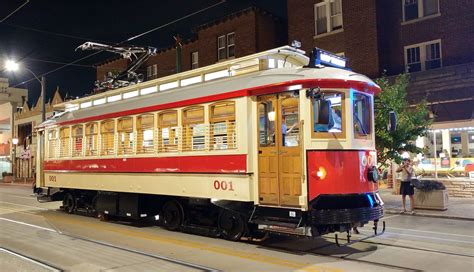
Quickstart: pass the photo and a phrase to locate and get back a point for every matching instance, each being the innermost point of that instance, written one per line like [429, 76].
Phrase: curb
[391, 211]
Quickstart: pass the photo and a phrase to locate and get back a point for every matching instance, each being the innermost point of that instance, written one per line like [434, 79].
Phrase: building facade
[238, 34]
[25, 121]
[10, 99]
[432, 40]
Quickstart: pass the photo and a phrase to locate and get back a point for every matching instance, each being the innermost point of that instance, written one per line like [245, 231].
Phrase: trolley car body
[235, 143]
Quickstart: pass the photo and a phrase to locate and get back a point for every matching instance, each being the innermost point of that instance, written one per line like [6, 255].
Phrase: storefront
[448, 151]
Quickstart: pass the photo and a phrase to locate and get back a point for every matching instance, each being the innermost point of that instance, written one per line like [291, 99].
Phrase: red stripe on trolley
[260, 90]
[184, 164]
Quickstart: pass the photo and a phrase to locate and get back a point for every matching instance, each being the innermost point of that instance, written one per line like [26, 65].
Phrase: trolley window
[145, 133]
[168, 131]
[77, 140]
[91, 139]
[125, 135]
[362, 117]
[107, 129]
[334, 111]
[266, 130]
[193, 129]
[222, 128]
[52, 142]
[64, 143]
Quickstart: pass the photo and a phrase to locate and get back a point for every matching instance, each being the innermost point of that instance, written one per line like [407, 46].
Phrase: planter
[432, 200]
[7, 179]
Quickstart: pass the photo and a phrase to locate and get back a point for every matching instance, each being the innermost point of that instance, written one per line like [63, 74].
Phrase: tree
[412, 120]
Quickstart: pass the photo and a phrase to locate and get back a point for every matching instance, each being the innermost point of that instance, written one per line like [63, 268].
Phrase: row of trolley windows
[148, 133]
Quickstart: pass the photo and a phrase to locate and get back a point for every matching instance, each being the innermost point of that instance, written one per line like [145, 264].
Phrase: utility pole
[43, 95]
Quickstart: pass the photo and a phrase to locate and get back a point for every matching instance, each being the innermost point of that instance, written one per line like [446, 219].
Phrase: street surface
[39, 237]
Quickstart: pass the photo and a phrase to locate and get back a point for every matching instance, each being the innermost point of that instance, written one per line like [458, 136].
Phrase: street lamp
[13, 66]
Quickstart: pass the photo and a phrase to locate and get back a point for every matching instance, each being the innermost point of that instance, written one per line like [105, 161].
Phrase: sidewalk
[18, 182]
[458, 208]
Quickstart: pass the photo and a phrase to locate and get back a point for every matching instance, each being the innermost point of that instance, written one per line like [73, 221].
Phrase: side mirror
[324, 109]
[392, 121]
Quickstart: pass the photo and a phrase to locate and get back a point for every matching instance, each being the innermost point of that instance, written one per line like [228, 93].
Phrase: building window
[414, 9]
[194, 60]
[424, 56]
[155, 70]
[328, 16]
[226, 46]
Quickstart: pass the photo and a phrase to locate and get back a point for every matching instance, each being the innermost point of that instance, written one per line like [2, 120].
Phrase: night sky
[43, 35]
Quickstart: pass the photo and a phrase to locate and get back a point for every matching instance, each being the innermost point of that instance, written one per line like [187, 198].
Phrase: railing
[196, 137]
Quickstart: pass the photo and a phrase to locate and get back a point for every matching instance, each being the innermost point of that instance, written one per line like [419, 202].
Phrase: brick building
[433, 40]
[238, 34]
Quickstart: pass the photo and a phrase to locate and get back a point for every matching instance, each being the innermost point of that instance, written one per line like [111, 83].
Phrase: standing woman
[406, 188]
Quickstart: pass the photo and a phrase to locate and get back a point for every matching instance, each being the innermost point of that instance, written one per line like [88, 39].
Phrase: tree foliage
[412, 121]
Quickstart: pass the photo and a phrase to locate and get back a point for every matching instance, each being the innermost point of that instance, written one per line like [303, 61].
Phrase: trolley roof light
[323, 57]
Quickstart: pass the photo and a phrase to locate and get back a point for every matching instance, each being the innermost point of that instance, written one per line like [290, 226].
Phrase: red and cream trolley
[271, 142]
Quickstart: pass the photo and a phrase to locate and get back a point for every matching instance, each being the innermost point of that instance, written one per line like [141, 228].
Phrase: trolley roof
[225, 80]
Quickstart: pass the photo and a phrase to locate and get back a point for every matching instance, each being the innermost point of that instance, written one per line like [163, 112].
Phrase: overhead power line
[126, 40]
[52, 33]
[58, 62]
[13, 12]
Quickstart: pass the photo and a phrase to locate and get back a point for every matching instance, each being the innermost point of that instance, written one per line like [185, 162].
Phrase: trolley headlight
[320, 174]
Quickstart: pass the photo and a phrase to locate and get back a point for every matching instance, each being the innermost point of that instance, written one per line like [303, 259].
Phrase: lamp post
[13, 66]
[14, 142]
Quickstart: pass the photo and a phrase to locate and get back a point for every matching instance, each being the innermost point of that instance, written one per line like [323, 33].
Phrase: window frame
[230, 122]
[194, 60]
[101, 133]
[124, 148]
[423, 56]
[95, 135]
[327, 10]
[421, 9]
[187, 142]
[358, 136]
[169, 147]
[330, 135]
[75, 136]
[226, 46]
[140, 130]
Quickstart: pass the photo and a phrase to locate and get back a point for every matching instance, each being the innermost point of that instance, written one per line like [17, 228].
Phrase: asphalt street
[39, 237]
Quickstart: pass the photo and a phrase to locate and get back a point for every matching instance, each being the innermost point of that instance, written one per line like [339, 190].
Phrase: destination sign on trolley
[323, 57]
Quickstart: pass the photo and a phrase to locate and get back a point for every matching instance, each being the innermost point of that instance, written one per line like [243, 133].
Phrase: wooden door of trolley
[279, 151]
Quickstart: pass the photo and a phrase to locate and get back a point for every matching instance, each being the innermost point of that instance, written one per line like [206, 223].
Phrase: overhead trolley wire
[126, 40]
[13, 12]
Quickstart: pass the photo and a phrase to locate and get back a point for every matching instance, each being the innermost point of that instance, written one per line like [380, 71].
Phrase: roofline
[361, 86]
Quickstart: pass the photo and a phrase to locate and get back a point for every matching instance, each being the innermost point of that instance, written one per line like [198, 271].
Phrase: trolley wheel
[173, 215]
[69, 203]
[231, 225]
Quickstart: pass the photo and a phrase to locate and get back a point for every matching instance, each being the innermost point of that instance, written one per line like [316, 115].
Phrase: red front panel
[339, 172]
[184, 164]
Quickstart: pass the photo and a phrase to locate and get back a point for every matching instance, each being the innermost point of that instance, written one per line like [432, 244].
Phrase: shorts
[406, 188]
